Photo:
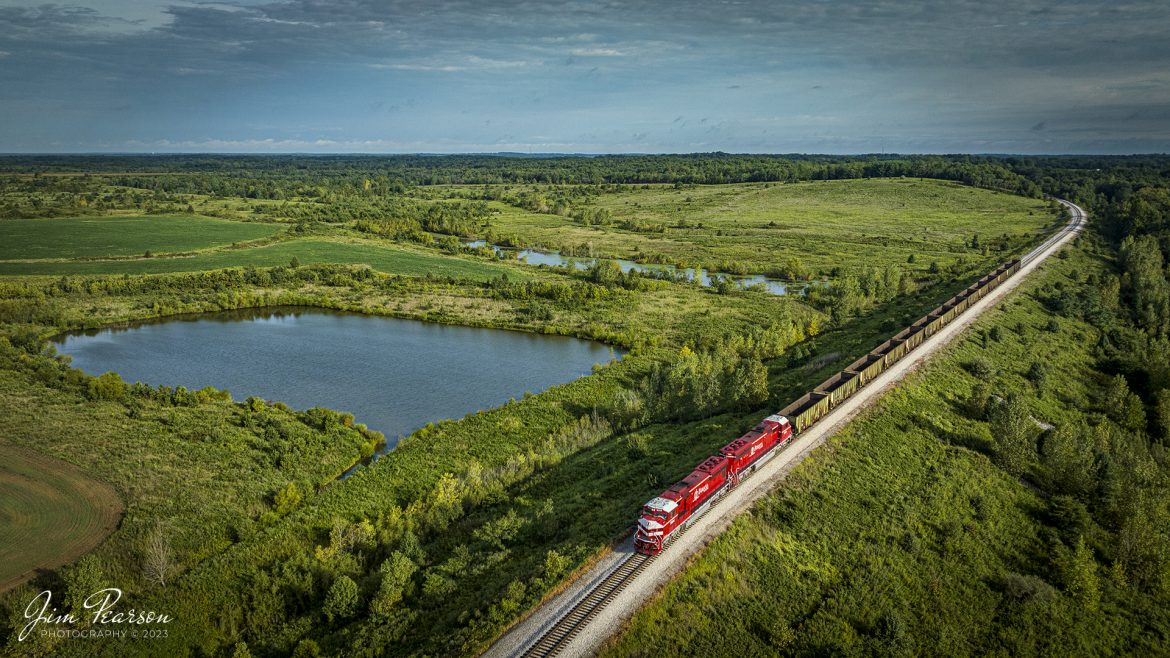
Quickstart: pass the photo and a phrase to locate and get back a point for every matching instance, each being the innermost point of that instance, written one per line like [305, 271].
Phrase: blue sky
[387, 76]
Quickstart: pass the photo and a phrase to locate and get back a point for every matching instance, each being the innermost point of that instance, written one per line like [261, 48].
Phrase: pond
[555, 259]
[393, 375]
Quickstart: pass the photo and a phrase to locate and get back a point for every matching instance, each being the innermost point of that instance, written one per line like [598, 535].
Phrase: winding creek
[555, 259]
[393, 375]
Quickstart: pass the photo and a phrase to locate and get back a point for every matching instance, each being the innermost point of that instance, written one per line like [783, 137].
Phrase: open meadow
[121, 235]
[792, 230]
[381, 256]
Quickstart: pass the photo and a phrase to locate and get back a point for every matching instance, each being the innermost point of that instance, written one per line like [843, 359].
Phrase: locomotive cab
[659, 518]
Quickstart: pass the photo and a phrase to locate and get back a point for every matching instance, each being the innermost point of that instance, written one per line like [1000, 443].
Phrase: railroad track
[566, 628]
[579, 615]
[1078, 220]
[561, 633]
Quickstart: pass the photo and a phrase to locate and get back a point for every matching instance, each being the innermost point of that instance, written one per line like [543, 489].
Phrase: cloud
[472, 63]
[597, 52]
[925, 76]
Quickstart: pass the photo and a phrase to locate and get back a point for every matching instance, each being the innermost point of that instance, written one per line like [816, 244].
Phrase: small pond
[393, 375]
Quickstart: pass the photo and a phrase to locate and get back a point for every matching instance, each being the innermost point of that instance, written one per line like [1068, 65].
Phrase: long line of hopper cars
[671, 511]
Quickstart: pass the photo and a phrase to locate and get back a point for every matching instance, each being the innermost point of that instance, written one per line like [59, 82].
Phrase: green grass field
[381, 256]
[51, 513]
[85, 237]
[824, 224]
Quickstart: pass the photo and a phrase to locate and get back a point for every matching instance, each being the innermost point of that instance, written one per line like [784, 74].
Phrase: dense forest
[278, 177]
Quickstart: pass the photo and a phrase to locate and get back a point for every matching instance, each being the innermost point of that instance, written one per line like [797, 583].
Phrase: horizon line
[565, 154]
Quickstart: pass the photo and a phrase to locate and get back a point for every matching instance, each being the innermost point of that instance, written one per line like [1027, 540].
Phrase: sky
[454, 76]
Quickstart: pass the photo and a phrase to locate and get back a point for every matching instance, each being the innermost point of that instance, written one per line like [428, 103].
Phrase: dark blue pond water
[393, 375]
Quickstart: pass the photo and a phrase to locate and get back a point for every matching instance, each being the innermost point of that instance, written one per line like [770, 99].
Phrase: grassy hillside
[946, 522]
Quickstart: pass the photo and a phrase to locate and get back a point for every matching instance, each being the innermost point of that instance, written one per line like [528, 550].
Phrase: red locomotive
[670, 511]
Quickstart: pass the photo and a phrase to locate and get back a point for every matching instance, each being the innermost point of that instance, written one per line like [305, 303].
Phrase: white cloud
[418, 67]
[598, 52]
[471, 63]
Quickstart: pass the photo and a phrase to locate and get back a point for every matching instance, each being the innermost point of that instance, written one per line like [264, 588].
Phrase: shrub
[1027, 588]
[982, 368]
[637, 446]
[1038, 374]
[107, 387]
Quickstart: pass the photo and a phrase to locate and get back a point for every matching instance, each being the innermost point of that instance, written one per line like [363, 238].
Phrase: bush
[1038, 374]
[637, 446]
[982, 368]
[1027, 588]
[107, 387]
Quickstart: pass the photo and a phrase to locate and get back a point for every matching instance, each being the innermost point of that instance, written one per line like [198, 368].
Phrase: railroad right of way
[578, 620]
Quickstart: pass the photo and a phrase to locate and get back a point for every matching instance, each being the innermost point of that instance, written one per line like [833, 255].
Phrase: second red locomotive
[666, 513]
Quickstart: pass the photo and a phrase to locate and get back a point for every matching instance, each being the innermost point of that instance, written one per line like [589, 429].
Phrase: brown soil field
[51, 513]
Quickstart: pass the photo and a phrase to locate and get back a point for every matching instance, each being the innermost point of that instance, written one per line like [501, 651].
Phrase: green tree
[241, 650]
[1143, 551]
[555, 564]
[1162, 413]
[446, 503]
[1079, 569]
[1123, 405]
[82, 580]
[287, 499]
[1012, 431]
[500, 530]
[307, 649]
[1066, 456]
[342, 600]
[396, 571]
[749, 385]
[1038, 374]
[976, 403]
